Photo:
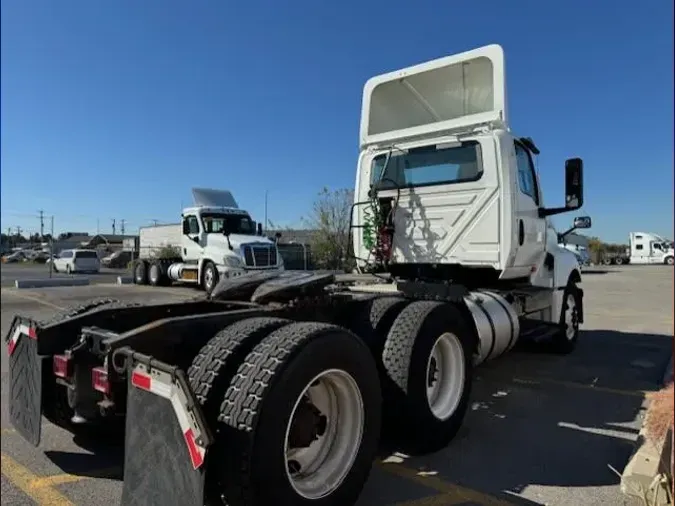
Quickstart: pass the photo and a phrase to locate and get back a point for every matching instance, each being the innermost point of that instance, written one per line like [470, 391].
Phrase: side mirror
[260, 230]
[574, 193]
[574, 189]
[582, 222]
[195, 239]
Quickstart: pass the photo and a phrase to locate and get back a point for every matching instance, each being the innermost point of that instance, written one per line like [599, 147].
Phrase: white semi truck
[274, 388]
[215, 240]
[644, 248]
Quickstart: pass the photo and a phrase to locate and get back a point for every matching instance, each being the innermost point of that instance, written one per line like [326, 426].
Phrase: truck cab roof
[213, 209]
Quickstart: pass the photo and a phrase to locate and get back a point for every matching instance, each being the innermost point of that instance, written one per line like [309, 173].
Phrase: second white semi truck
[215, 240]
[644, 248]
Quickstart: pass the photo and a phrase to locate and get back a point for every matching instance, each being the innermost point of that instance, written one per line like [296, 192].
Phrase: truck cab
[446, 186]
[215, 240]
[647, 248]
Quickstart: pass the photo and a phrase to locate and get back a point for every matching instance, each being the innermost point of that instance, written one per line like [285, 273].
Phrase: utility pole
[18, 234]
[42, 225]
[154, 222]
[122, 226]
[265, 227]
[113, 223]
[51, 247]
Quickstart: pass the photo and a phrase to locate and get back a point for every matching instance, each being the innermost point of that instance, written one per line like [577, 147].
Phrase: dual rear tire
[310, 389]
[315, 391]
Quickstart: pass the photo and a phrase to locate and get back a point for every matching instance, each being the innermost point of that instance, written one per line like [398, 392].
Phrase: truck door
[530, 229]
[191, 243]
[656, 256]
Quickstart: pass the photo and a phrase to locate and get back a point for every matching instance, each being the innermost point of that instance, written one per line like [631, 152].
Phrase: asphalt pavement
[12, 272]
[542, 429]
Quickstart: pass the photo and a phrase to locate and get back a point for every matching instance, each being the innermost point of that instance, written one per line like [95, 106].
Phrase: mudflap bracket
[166, 437]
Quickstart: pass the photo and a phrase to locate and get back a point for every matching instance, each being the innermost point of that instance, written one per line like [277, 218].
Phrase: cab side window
[527, 181]
[190, 225]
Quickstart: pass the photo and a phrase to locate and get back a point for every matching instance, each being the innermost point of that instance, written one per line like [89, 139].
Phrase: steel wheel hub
[445, 376]
[324, 434]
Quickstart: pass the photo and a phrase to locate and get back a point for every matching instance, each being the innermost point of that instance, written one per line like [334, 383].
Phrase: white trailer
[215, 240]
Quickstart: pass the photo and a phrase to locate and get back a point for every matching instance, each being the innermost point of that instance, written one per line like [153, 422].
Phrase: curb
[644, 474]
[53, 282]
[124, 280]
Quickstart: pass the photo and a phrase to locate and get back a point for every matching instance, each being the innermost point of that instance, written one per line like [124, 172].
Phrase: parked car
[17, 256]
[77, 260]
[117, 260]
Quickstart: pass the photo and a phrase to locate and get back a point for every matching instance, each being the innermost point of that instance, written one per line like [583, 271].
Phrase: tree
[331, 241]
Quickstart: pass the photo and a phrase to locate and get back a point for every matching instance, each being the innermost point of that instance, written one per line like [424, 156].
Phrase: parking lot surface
[11, 272]
[542, 429]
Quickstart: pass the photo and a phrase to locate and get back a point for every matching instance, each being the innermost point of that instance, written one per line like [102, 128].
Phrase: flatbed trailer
[208, 388]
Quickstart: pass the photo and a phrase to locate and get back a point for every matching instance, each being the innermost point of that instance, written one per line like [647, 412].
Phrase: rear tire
[428, 360]
[216, 363]
[156, 273]
[140, 273]
[261, 400]
[669, 261]
[374, 319]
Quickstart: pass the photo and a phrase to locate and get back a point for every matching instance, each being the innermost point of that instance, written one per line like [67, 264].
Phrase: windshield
[235, 223]
[428, 165]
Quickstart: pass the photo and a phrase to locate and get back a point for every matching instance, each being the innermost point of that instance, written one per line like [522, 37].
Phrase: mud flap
[166, 438]
[25, 379]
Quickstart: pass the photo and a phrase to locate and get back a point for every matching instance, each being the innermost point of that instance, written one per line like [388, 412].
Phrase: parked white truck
[643, 248]
[215, 240]
[274, 389]
[648, 248]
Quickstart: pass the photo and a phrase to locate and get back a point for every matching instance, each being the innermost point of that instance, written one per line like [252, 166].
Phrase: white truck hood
[455, 93]
[236, 240]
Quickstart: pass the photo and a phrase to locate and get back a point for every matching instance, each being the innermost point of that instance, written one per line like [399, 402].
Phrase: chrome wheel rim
[315, 469]
[445, 376]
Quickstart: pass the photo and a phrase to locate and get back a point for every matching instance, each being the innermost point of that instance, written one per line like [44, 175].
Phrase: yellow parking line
[60, 479]
[584, 386]
[33, 298]
[25, 480]
[450, 493]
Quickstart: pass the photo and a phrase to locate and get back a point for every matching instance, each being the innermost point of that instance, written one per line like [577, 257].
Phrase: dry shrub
[659, 420]
[660, 413]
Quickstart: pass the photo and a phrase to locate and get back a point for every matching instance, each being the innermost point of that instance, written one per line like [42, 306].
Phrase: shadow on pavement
[555, 421]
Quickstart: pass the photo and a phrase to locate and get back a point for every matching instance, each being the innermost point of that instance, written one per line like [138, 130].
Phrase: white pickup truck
[215, 240]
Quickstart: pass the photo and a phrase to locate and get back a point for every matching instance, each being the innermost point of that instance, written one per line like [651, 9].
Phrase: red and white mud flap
[25, 379]
[166, 437]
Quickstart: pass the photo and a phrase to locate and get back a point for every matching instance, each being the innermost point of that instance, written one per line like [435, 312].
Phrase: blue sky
[115, 109]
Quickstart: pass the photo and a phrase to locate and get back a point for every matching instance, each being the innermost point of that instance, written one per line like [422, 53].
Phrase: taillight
[99, 380]
[62, 366]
